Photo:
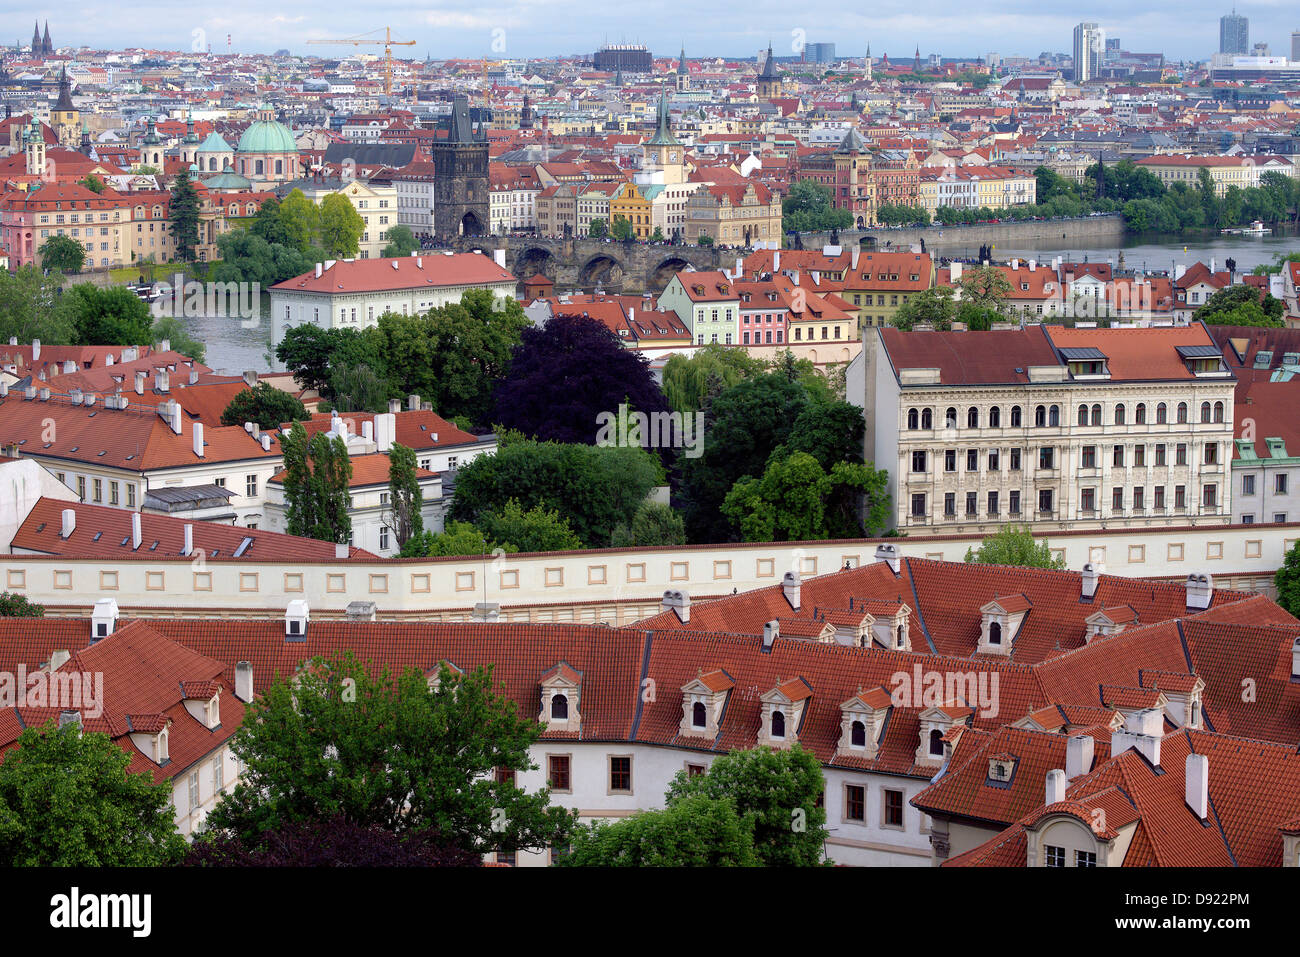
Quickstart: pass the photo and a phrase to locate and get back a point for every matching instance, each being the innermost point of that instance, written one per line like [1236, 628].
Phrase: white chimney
[135, 530]
[189, 540]
[1198, 785]
[75, 396]
[103, 619]
[954, 273]
[340, 549]
[70, 717]
[1055, 791]
[794, 277]
[162, 380]
[1200, 590]
[889, 555]
[194, 375]
[1142, 731]
[366, 611]
[368, 430]
[45, 394]
[853, 259]
[318, 270]
[776, 261]
[244, 681]
[250, 377]
[679, 601]
[36, 349]
[139, 382]
[69, 522]
[295, 619]
[1295, 658]
[1078, 755]
[1089, 581]
[265, 439]
[791, 587]
[499, 257]
[412, 403]
[394, 405]
[198, 439]
[58, 658]
[771, 632]
[486, 611]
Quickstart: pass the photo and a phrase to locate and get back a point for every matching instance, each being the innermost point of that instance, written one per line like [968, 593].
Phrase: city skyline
[532, 28]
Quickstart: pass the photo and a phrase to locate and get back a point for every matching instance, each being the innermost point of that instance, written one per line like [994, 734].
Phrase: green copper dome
[267, 136]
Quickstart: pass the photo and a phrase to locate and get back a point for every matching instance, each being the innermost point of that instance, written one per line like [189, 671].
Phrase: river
[231, 348]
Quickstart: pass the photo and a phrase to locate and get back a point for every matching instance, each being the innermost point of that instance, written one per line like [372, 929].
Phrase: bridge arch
[663, 273]
[534, 260]
[602, 269]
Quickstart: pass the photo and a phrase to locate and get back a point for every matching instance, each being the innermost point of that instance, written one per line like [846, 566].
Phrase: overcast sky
[522, 28]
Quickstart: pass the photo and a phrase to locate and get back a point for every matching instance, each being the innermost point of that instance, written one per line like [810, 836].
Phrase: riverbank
[1086, 230]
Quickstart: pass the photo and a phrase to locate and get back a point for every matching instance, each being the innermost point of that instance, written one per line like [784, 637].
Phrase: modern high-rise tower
[1295, 45]
[1234, 34]
[1089, 46]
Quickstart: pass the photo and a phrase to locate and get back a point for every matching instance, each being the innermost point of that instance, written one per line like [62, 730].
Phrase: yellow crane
[387, 43]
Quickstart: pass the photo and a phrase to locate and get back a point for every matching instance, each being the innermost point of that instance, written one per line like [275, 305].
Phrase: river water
[231, 348]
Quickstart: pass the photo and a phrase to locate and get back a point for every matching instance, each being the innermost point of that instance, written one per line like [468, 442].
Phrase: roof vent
[771, 632]
[1200, 590]
[103, 620]
[679, 601]
[792, 587]
[1089, 581]
[889, 554]
[295, 620]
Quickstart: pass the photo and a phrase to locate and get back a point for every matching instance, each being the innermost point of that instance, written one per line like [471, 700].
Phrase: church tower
[768, 84]
[36, 39]
[34, 149]
[65, 119]
[663, 151]
[47, 47]
[683, 73]
[526, 115]
[916, 61]
[460, 176]
[866, 66]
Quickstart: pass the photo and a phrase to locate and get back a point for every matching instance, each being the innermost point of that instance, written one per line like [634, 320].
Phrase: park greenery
[808, 208]
[1015, 545]
[288, 237]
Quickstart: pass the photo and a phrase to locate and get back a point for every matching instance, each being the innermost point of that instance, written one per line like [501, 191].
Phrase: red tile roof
[430, 271]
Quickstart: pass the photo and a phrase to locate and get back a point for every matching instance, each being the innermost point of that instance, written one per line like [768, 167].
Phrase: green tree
[317, 474]
[247, 257]
[536, 530]
[401, 242]
[1240, 305]
[184, 215]
[266, 405]
[657, 236]
[688, 382]
[986, 287]
[68, 800]
[808, 208]
[936, 306]
[358, 388]
[404, 514]
[92, 183]
[27, 300]
[267, 224]
[14, 605]
[696, 831]
[598, 228]
[178, 334]
[459, 538]
[621, 229]
[341, 227]
[111, 316]
[653, 524]
[389, 751]
[62, 253]
[300, 221]
[1015, 545]
[796, 498]
[1287, 581]
[774, 791]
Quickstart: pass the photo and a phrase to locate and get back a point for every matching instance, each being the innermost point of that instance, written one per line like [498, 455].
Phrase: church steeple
[683, 72]
[46, 46]
[36, 39]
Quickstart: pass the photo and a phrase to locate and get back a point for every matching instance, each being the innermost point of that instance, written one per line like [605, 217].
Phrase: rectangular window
[1015, 460]
[950, 503]
[1139, 495]
[1054, 856]
[1209, 495]
[620, 774]
[1117, 499]
[1279, 483]
[993, 461]
[1045, 501]
[250, 485]
[855, 802]
[1180, 496]
[1085, 859]
[1013, 502]
[99, 490]
[219, 482]
[1089, 460]
[972, 503]
[1118, 457]
[993, 503]
[219, 773]
[383, 537]
[557, 772]
[1211, 453]
[505, 776]
[918, 462]
[112, 493]
[950, 460]
[1047, 458]
[194, 791]
[1160, 456]
[1279, 517]
[1180, 454]
[1159, 501]
[1248, 485]
[918, 505]
[893, 808]
[1139, 455]
[972, 460]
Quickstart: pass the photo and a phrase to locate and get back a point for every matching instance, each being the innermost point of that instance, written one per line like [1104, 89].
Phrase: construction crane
[387, 43]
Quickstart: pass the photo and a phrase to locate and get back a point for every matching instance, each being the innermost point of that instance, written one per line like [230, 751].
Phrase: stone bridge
[588, 264]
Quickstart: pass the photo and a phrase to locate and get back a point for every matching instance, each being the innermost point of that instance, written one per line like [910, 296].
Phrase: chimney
[412, 403]
[250, 377]
[341, 550]
[499, 257]
[1055, 787]
[162, 380]
[103, 619]
[170, 411]
[1295, 658]
[791, 587]
[776, 261]
[69, 522]
[1089, 581]
[368, 430]
[386, 431]
[679, 601]
[69, 366]
[318, 270]
[45, 393]
[135, 531]
[394, 406]
[1200, 589]
[794, 277]
[244, 681]
[198, 439]
[295, 620]
[1198, 785]
[486, 611]
[75, 396]
[771, 632]
[265, 439]
[36, 349]
[361, 611]
[194, 375]
[189, 540]
[70, 717]
[954, 273]
[1078, 755]
[139, 382]
[58, 658]
[853, 259]
[1142, 732]
[889, 554]
[165, 345]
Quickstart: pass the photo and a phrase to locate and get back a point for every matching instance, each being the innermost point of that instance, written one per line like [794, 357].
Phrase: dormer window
[936, 743]
[161, 753]
[782, 709]
[561, 688]
[699, 715]
[858, 734]
[559, 707]
[778, 724]
[995, 633]
[1001, 768]
[1001, 622]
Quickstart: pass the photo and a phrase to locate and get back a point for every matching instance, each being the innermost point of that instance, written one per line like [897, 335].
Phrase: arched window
[913, 419]
[1182, 413]
[1119, 414]
[1083, 415]
[1040, 416]
[1015, 416]
[972, 418]
[698, 719]
[950, 418]
[559, 707]
[1054, 416]
[1205, 412]
[995, 418]
[936, 743]
[1162, 414]
[858, 734]
[995, 633]
[1096, 414]
[927, 419]
[900, 636]
[1140, 414]
[778, 724]
[1218, 412]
